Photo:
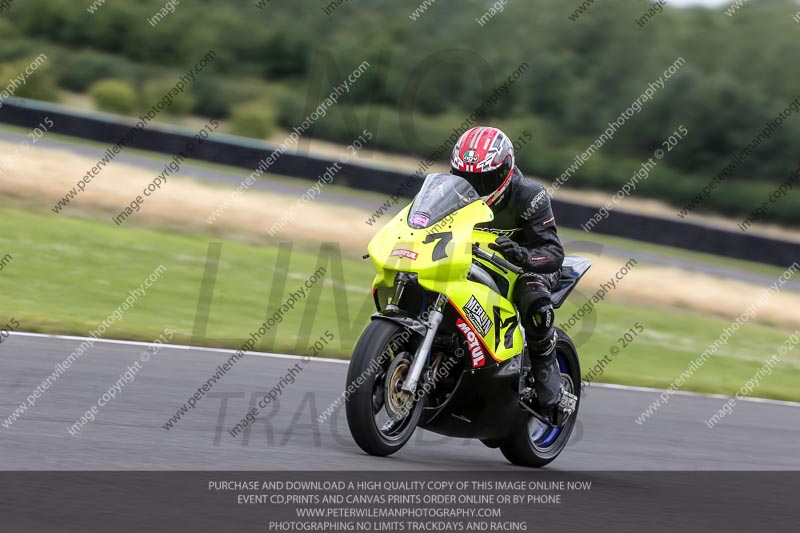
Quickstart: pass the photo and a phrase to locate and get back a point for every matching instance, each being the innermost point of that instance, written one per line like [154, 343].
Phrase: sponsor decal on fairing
[474, 343]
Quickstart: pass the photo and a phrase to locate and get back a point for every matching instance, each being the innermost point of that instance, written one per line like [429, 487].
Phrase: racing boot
[553, 403]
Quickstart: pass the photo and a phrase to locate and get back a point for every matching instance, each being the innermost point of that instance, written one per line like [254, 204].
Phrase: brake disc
[398, 402]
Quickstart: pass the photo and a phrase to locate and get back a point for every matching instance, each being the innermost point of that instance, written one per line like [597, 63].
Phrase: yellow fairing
[441, 256]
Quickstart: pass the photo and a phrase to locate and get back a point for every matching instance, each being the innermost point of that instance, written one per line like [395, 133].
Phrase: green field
[66, 275]
[568, 235]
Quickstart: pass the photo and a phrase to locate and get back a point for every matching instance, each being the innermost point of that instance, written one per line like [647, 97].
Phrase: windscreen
[440, 196]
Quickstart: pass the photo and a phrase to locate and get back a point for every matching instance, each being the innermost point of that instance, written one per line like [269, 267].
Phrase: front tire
[533, 443]
[383, 348]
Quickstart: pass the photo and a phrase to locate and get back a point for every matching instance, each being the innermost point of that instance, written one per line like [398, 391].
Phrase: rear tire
[533, 446]
[367, 401]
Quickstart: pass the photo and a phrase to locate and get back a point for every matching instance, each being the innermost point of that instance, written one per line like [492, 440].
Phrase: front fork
[434, 320]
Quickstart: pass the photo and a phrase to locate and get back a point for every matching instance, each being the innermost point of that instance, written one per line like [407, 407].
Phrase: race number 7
[443, 239]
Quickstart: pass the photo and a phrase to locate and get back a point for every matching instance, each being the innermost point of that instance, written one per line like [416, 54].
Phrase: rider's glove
[512, 251]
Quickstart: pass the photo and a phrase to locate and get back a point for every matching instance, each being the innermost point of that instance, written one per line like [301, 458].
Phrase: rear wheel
[380, 415]
[535, 443]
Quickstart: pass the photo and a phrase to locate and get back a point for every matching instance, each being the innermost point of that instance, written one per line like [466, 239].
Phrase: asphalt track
[128, 434]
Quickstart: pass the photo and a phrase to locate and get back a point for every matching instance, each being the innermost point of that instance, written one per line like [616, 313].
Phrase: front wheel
[535, 443]
[381, 417]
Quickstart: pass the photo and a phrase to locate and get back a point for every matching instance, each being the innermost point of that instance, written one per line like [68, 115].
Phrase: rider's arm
[539, 235]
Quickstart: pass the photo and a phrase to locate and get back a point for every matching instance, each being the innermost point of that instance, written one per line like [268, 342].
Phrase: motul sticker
[475, 348]
[408, 254]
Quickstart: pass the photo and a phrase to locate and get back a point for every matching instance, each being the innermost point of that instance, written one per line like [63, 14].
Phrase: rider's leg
[532, 298]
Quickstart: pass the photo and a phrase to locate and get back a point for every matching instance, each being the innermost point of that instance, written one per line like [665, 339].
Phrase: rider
[527, 237]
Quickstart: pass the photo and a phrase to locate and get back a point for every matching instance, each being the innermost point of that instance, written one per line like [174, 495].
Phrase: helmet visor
[485, 182]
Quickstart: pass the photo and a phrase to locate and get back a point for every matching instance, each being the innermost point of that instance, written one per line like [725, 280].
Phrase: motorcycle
[445, 350]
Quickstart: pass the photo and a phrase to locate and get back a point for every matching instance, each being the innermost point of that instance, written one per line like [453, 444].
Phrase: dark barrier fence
[245, 153]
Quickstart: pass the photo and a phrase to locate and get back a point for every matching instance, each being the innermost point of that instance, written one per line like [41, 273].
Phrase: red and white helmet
[484, 157]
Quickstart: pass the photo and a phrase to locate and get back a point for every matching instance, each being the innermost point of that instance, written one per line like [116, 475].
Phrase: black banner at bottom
[535, 500]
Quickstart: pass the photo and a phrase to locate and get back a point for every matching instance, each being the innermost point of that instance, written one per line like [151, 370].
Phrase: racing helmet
[484, 156]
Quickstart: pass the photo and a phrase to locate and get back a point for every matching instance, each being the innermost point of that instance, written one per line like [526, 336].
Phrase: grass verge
[66, 275]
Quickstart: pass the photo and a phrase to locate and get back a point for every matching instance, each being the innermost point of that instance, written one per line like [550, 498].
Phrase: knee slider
[543, 318]
[538, 318]
[532, 298]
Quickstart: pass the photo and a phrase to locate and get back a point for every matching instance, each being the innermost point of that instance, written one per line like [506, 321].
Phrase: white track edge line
[342, 361]
[173, 346]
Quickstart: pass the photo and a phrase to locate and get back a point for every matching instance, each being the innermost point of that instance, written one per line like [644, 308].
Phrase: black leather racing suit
[524, 215]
